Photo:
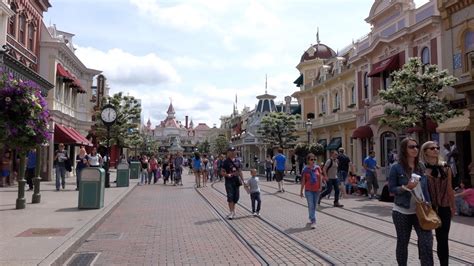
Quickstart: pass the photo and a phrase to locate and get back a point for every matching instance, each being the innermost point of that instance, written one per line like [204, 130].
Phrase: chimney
[186, 123]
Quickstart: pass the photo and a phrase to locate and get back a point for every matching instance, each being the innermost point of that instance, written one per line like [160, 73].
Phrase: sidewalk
[45, 233]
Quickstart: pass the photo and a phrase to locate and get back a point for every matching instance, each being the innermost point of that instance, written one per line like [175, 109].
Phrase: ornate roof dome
[318, 50]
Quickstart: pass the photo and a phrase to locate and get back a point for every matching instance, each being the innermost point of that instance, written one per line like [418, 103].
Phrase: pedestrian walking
[233, 180]
[268, 168]
[370, 166]
[95, 159]
[440, 179]
[60, 157]
[82, 161]
[220, 162]
[205, 170]
[254, 190]
[406, 176]
[330, 172]
[197, 168]
[178, 168]
[153, 170]
[280, 166]
[311, 183]
[144, 169]
[343, 164]
[165, 172]
[30, 168]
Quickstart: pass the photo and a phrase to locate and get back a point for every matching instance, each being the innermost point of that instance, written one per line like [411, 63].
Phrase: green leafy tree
[413, 97]
[125, 131]
[204, 147]
[278, 129]
[219, 145]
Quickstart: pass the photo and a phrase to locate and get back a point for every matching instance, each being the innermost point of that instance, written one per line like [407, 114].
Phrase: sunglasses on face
[312, 159]
[413, 147]
[433, 148]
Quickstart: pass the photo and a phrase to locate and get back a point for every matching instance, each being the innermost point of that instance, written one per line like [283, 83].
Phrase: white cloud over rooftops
[122, 68]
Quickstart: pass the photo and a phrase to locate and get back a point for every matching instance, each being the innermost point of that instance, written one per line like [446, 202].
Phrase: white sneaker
[254, 213]
[230, 216]
[313, 225]
[258, 214]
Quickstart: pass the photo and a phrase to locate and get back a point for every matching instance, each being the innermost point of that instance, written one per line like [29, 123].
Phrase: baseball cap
[231, 149]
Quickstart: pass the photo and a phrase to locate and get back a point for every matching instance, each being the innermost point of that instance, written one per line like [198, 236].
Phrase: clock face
[108, 115]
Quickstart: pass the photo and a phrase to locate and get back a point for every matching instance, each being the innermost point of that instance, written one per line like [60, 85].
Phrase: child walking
[254, 190]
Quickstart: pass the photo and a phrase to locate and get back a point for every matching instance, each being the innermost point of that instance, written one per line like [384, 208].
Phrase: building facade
[328, 97]
[457, 40]
[70, 102]
[399, 31]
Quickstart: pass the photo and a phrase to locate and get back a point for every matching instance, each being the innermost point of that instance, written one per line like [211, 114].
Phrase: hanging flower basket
[23, 112]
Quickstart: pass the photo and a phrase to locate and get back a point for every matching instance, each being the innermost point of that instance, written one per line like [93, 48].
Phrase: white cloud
[122, 68]
[259, 60]
[185, 61]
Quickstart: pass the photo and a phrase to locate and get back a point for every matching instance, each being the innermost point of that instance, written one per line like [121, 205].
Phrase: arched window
[366, 86]
[353, 95]
[337, 101]
[323, 105]
[469, 50]
[425, 56]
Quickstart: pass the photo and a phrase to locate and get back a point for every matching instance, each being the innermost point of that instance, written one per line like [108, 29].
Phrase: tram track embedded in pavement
[412, 242]
[273, 231]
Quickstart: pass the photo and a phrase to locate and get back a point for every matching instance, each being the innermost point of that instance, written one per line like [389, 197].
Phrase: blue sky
[201, 53]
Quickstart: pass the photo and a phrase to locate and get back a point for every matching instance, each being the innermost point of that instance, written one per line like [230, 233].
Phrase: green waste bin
[134, 170]
[92, 188]
[123, 175]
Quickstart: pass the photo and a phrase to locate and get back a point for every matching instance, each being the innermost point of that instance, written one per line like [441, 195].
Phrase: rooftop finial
[317, 36]
[265, 83]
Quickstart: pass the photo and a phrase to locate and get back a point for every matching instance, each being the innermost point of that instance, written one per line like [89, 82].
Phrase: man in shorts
[370, 166]
[232, 173]
[280, 163]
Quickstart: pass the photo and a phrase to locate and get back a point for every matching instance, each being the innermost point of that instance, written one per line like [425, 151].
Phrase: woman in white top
[95, 160]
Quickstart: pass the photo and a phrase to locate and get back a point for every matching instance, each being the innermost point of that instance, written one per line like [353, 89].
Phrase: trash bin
[261, 169]
[92, 188]
[134, 170]
[123, 175]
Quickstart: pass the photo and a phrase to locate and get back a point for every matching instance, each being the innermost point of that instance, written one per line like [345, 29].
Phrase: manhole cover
[106, 236]
[83, 259]
[32, 232]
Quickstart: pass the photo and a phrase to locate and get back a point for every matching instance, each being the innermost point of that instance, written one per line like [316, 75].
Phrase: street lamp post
[108, 116]
[309, 127]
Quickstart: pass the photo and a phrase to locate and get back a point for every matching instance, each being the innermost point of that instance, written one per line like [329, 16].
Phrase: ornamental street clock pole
[108, 116]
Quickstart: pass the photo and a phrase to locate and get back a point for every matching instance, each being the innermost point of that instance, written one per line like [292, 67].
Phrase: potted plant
[25, 119]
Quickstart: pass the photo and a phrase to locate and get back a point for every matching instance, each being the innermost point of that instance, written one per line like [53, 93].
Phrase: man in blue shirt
[370, 165]
[280, 163]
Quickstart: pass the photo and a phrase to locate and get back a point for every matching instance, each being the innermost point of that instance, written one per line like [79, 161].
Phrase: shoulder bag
[427, 217]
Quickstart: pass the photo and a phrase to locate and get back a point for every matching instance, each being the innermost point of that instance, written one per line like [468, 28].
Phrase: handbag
[427, 217]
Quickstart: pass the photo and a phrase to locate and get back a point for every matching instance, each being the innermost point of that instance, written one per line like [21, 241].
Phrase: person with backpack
[370, 165]
[330, 172]
[197, 168]
[311, 183]
[343, 164]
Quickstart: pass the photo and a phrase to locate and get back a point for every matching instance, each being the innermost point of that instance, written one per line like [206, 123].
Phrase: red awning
[69, 136]
[362, 132]
[430, 127]
[60, 71]
[388, 64]
[77, 84]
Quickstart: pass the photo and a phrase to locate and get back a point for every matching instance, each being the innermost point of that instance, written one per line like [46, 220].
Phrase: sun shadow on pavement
[207, 221]
[307, 227]
[384, 211]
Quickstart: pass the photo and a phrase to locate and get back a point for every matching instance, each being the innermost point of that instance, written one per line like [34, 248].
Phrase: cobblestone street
[159, 224]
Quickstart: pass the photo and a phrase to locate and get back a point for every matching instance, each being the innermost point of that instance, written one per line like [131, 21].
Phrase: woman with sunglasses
[405, 176]
[311, 184]
[441, 192]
